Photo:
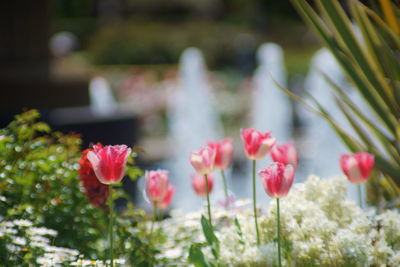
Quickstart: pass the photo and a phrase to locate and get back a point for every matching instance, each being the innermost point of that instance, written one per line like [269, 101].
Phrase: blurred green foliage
[365, 42]
[155, 31]
[39, 180]
[136, 42]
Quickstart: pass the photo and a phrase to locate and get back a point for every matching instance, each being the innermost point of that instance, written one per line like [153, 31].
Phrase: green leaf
[133, 172]
[341, 25]
[212, 240]
[351, 143]
[385, 141]
[312, 19]
[42, 127]
[239, 230]
[372, 65]
[196, 256]
[347, 58]
[388, 169]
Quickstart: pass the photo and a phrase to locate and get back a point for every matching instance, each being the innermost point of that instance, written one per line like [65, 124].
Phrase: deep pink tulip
[199, 184]
[277, 179]
[357, 167]
[167, 199]
[257, 144]
[157, 185]
[223, 153]
[109, 162]
[285, 153]
[203, 160]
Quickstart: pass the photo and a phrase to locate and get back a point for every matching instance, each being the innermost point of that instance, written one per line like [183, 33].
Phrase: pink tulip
[199, 184]
[357, 167]
[277, 179]
[223, 153]
[285, 153]
[257, 144]
[157, 185]
[109, 162]
[203, 160]
[167, 199]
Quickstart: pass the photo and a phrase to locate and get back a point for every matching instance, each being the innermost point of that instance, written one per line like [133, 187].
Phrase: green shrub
[40, 182]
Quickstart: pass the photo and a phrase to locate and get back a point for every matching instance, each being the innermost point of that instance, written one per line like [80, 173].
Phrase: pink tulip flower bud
[203, 160]
[199, 184]
[357, 167]
[167, 199]
[109, 162]
[285, 153]
[223, 153]
[157, 183]
[257, 144]
[277, 179]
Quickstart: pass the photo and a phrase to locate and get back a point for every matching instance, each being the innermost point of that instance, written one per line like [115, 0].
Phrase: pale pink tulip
[357, 167]
[203, 160]
[199, 184]
[157, 183]
[285, 153]
[257, 144]
[109, 162]
[167, 199]
[223, 153]
[277, 179]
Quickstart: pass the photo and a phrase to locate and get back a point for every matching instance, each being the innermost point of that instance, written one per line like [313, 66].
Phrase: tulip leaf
[196, 256]
[239, 231]
[212, 240]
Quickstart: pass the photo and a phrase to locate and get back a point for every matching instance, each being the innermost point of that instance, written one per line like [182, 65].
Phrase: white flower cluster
[26, 244]
[22, 238]
[319, 227]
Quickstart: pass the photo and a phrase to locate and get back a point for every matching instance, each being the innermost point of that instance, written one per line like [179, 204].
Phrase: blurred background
[167, 76]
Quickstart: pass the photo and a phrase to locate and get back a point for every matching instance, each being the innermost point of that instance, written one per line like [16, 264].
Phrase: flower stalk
[255, 203]
[154, 218]
[279, 231]
[225, 188]
[208, 200]
[110, 229]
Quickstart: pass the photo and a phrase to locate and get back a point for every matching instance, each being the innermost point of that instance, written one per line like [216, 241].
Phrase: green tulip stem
[359, 195]
[208, 200]
[154, 218]
[110, 229]
[225, 188]
[254, 202]
[279, 231]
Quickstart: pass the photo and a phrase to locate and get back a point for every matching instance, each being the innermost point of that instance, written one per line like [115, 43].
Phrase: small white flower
[19, 241]
[23, 223]
[41, 231]
[7, 224]
[173, 253]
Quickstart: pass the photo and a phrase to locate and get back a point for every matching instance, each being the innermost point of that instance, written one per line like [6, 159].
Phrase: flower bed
[57, 210]
[320, 227]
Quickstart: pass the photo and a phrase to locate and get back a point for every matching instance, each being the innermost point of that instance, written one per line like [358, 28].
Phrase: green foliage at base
[40, 182]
